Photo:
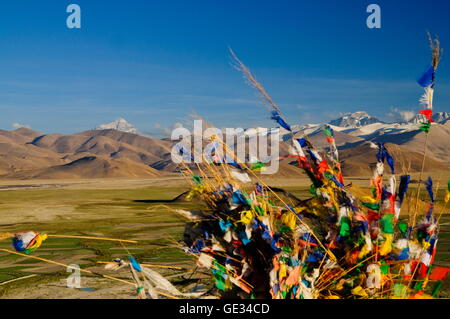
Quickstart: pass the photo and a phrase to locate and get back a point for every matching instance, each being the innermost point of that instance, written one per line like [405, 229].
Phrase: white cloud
[405, 115]
[162, 130]
[18, 125]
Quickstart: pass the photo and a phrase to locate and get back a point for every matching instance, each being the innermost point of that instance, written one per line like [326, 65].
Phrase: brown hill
[25, 153]
[29, 133]
[107, 142]
[360, 160]
[15, 157]
[438, 146]
[21, 135]
[89, 167]
[91, 154]
[150, 145]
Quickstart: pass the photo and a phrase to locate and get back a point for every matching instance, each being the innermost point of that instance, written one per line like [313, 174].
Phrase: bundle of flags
[334, 154]
[259, 244]
[28, 241]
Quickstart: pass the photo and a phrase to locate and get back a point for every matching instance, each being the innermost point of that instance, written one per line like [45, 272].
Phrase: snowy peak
[120, 125]
[439, 117]
[355, 120]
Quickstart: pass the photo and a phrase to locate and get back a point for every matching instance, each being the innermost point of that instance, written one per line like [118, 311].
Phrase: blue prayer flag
[277, 117]
[427, 78]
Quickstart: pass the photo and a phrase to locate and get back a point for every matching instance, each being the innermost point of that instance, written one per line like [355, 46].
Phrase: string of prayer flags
[427, 81]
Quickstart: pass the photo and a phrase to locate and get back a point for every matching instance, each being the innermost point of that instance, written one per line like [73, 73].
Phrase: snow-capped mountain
[368, 128]
[355, 120]
[438, 117]
[120, 125]
[441, 117]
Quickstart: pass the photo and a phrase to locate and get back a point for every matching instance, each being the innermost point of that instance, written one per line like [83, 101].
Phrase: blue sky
[156, 62]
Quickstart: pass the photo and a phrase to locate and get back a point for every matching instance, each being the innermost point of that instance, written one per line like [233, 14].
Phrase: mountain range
[356, 119]
[120, 125]
[118, 150]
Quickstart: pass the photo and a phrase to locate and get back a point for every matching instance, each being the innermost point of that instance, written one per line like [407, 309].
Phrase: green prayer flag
[328, 175]
[418, 286]
[257, 166]
[374, 192]
[139, 289]
[286, 249]
[220, 284]
[327, 131]
[371, 206]
[403, 227]
[384, 268]
[284, 229]
[437, 286]
[312, 190]
[197, 180]
[425, 127]
[345, 227]
[387, 223]
[259, 210]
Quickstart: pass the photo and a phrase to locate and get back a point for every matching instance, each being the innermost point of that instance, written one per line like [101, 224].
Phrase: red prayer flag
[323, 166]
[439, 273]
[372, 215]
[428, 114]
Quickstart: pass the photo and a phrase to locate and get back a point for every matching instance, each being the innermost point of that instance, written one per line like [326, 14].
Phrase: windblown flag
[428, 114]
[136, 266]
[404, 183]
[383, 155]
[297, 150]
[277, 117]
[258, 166]
[302, 142]
[427, 78]
[438, 274]
[197, 180]
[328, 131]
[425, 127]
[429, 186]
[228, 160]
[240, 175]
